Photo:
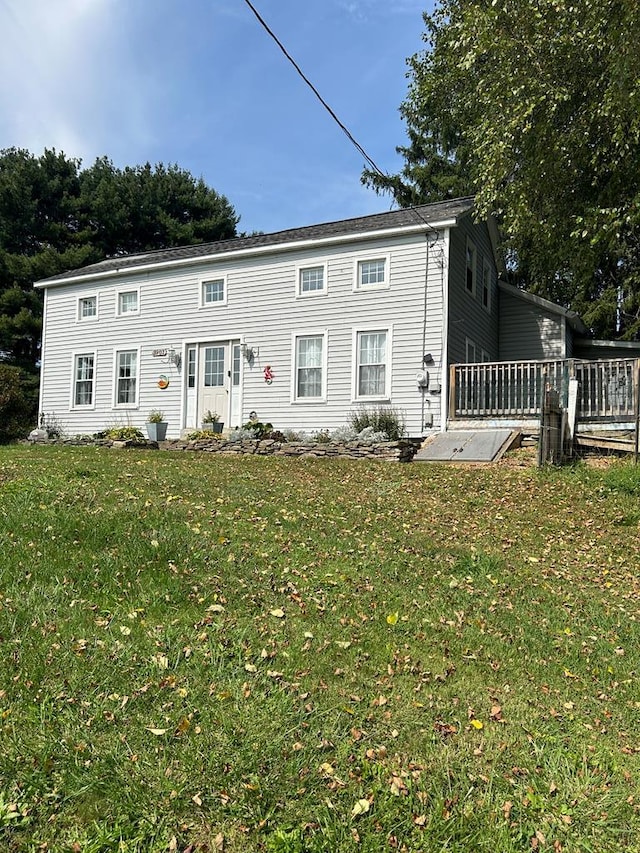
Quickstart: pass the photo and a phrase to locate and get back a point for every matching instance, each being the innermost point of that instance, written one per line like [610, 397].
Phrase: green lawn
[291, 656]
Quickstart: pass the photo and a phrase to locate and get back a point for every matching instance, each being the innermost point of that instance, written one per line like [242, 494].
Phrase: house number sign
[159, 353]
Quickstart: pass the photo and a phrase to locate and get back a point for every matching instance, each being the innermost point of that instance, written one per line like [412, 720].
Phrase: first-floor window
[309, 367]
[126, 377]
[83, 379]
[372, 364]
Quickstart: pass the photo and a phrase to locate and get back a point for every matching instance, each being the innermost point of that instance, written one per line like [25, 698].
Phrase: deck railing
[606, 388]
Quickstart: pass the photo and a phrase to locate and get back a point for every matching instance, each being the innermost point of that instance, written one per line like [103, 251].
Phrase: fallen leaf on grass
[392, 618]
[156, 732]
[477, 724]
[361, 807]
[277, 612]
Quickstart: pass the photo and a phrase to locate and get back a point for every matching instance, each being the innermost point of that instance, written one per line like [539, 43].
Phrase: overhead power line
[331, 112]
[300, 72]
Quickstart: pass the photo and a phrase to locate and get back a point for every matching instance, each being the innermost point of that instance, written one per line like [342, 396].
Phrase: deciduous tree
[534, 105]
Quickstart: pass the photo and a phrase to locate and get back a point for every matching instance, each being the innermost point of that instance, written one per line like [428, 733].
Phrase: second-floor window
[312, 280]
[87, 308]
[127, 302]
[213, 291]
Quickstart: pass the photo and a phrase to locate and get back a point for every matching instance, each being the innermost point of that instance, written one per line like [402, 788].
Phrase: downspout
[42, 354]
[444, 354]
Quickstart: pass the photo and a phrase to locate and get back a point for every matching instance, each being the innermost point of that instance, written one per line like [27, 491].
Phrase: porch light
[248, 352]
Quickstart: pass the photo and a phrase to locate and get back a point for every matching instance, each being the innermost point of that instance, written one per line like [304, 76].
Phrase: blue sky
[199, 83]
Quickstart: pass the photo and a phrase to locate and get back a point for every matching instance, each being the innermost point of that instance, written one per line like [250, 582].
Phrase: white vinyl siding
[128, 302]
[83, 393]
[87, 308]
[372, 367]
[213, 292]
[310, 367]
[372, 273]
[126, 378]
[312, 280]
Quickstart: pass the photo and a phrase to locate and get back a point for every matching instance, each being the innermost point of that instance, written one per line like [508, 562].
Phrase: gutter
[242, 253]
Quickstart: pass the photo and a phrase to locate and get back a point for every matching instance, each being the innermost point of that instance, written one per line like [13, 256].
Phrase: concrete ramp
[480, 445]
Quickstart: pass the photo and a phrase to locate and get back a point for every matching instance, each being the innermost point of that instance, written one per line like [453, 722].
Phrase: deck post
[452, 392]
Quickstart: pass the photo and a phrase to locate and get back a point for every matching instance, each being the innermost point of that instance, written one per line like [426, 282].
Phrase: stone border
[392, 451]
[388, 451]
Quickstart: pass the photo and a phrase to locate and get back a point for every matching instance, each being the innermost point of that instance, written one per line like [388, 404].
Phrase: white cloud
[57, 69]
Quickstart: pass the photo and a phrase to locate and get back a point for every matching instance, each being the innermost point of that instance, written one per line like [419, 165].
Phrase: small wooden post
[452, 392]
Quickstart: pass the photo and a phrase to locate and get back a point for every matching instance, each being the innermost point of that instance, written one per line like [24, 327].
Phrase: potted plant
[156, 425]
[211, 421]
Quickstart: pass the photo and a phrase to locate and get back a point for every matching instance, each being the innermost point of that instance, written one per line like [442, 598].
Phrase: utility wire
[331, 112]
[300, 72]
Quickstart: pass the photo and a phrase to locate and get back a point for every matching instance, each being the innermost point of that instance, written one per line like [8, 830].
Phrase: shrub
[155, 416]
[382, 419]
[124, 433]
[18, 404]
[199, 434]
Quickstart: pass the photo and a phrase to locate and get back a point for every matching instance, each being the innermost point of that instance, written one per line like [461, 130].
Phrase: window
[213, 291]
[309, 369]
[371, 364]
[214, 367]
[126, 378]
[372, 273]
[83, 379]
[470, 274]
[87, 308]
[311, 280]
[191, 367]
[471, 351]
[486, 284]
[127, 302]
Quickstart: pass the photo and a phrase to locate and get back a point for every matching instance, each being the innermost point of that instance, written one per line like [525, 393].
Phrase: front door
[214, 380]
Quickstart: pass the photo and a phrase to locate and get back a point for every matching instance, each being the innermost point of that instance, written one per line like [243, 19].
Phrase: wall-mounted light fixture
[248, 352]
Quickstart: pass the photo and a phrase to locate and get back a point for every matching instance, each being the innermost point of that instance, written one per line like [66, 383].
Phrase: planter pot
[157, 432]
[213, 427]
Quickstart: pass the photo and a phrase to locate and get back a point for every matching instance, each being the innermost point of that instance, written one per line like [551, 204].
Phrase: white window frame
[357, 275]
[356, 397]
[121, 292]
[295, 337]
[212, 280]
[116, 366]
[309, 294]
[74, 361]
[92, 318]
[470, 247]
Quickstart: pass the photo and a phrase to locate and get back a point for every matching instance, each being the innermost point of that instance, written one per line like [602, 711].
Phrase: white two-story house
[300, 326]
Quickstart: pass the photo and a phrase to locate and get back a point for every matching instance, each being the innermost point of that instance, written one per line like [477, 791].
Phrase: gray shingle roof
[425, 215]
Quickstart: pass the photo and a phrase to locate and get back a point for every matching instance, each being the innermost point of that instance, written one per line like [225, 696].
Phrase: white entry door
[214, 380]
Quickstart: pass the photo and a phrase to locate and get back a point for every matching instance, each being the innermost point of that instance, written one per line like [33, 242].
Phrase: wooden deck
[512, 391]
